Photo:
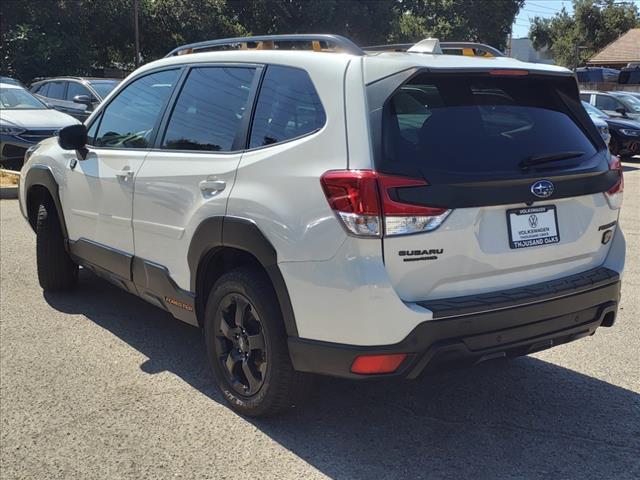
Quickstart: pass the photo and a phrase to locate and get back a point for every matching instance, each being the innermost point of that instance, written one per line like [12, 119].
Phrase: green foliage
[61, 37]
[487, 21]
[593, 25]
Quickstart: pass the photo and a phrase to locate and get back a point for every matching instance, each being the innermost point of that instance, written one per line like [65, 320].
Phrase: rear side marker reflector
[367, 202]
[377, 364]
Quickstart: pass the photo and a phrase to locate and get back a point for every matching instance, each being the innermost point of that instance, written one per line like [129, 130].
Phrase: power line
[544, 6]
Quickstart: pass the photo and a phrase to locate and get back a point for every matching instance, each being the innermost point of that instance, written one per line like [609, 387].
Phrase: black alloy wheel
[240, 344]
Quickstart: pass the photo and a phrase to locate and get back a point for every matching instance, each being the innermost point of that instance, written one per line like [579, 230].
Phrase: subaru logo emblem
[542, 188]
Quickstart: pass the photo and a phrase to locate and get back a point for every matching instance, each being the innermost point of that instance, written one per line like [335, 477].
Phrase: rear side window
[288, 107]
[209, 109]
[477, 124]
[605, 102]
[129, 120]
[56, 90]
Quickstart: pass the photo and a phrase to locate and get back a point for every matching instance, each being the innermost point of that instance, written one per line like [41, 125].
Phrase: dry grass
[8, 179]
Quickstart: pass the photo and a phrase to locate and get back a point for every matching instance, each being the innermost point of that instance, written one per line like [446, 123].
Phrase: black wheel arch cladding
[41, 175]
[244, 235]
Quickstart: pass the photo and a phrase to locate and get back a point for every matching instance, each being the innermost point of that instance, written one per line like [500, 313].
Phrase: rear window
[478, 124]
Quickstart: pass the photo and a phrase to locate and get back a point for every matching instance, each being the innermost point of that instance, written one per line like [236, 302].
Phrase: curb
[8, 193]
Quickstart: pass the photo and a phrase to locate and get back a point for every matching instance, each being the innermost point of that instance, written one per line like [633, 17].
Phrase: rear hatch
[503, 179]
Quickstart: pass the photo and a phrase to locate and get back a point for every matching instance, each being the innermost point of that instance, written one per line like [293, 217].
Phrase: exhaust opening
[609, 319]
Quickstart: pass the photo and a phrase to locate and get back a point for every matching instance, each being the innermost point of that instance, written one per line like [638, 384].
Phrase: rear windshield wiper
[551, 157]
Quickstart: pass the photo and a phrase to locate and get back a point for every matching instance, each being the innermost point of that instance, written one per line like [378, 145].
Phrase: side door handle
[125, 174]
[211, 187]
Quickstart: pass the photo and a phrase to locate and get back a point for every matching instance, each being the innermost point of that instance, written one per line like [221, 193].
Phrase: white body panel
[279, 188]
[169, 204]
[97, 196]
[477, 257]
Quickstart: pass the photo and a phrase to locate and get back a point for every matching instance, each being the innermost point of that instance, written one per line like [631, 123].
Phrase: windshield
[479, 124]
[104, 87]
[632, 102]
[593, 111]
[19, 99]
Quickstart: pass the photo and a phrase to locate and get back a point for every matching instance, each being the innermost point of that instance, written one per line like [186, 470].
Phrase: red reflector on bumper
[372, 364]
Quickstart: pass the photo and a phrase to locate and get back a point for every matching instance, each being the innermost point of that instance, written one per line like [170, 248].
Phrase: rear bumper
[518, 322]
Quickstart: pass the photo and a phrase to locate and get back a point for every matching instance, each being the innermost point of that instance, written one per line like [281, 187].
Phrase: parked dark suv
[77, 96]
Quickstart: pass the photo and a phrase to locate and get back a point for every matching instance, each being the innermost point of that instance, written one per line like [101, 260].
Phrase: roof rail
[318, 43]
[485, 50]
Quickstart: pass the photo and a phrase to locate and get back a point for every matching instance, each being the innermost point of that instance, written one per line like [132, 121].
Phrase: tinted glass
[209, 109]
[288, 107]
[604, 102]
[56, 90]
[104, 87]
[476, 125]
[76, 89]
[42, 89]
[128, 120]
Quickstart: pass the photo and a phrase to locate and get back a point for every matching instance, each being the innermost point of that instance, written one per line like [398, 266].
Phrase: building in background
[620, 52]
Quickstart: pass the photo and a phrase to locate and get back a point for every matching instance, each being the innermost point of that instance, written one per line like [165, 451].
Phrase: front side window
[605, 102]
[209, 109]
[56, 90]
[104, 87]
[288, 107]
[76, 89]
[128, 121]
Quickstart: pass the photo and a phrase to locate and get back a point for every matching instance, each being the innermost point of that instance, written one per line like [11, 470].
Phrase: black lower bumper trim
[473, 338]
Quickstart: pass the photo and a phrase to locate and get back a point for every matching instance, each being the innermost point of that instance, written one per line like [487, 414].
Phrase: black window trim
[240, 139]
[98, 113]
[243, 137]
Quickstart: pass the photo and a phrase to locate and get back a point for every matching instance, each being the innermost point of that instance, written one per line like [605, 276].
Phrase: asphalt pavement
[99, 384]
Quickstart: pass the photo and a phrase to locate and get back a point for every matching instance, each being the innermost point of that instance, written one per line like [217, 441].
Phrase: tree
[593, 25]
[364, 21]
[486, 21]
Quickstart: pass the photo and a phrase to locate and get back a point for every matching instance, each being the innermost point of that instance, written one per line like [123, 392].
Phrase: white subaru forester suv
[318, 208]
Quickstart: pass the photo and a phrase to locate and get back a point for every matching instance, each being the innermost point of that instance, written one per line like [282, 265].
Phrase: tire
[56, 271]
[256, 381]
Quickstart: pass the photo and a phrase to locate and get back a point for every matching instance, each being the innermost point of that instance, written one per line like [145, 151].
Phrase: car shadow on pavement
[524, 418]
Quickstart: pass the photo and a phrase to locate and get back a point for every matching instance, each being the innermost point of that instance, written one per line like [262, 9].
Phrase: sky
[541, 8]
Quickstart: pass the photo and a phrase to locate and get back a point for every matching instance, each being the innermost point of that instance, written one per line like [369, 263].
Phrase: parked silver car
[25, 121]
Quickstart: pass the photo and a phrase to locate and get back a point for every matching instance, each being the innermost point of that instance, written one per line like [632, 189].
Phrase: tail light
[614, 195]
[367, 202]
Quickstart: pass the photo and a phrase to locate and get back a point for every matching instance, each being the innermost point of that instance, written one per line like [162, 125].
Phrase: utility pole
[136, 31]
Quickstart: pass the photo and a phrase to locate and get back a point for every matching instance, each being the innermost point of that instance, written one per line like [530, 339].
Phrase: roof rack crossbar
[336, 41]
[403, 47]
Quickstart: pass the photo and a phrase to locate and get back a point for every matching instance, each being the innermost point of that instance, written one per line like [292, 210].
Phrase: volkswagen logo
[533, 221]
[542, 188]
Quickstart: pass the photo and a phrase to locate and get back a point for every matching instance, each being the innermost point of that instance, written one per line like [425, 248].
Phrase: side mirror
[622, 111]
[73, 137]
[83, 100]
